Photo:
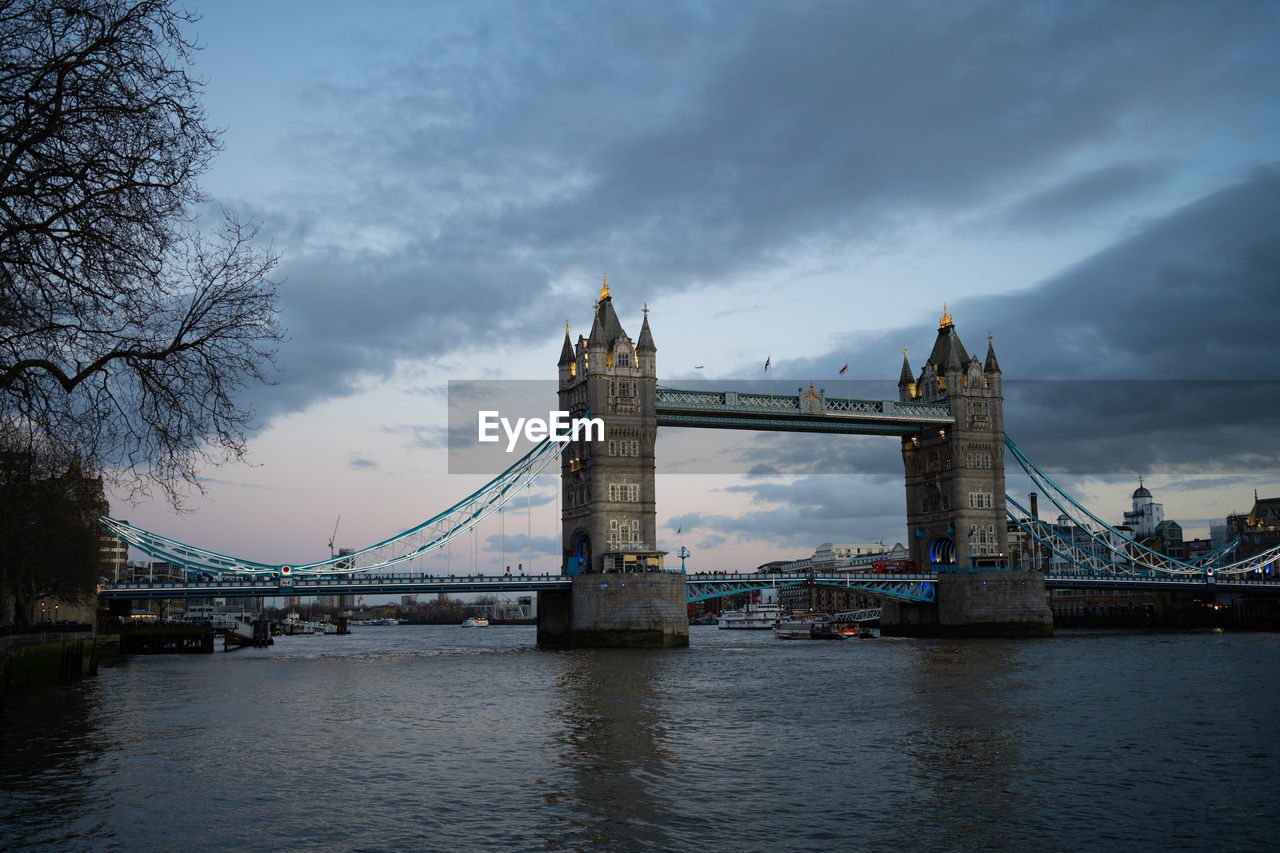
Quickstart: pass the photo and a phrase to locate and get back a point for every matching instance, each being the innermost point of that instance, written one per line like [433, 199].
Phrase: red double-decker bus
[895, 567]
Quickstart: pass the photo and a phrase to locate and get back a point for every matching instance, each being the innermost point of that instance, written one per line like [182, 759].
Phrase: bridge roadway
[902, 587]
[804, 412]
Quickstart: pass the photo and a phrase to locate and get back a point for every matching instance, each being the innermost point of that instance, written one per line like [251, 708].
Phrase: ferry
[757, 617]
[800, 628]
[819, 627]
[476, 622]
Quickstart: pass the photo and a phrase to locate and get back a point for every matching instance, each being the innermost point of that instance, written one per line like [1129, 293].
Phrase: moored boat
[800, 628]
[476, 622]
[819, 626]
[752, 617]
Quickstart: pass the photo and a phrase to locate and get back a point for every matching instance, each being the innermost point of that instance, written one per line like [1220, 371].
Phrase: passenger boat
[752, 617]
[818, 626]
[800, 628]
[476, 622]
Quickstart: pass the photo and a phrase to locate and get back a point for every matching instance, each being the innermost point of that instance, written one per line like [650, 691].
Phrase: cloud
[360, 463]
[516, 547]
[1155, 354]
[1081, 195]
[483, 165]
[805, 511]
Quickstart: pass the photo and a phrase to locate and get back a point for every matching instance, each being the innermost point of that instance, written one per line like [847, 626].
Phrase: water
[435, 738]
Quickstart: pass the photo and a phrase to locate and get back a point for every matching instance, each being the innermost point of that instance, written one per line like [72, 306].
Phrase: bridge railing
[735, 401]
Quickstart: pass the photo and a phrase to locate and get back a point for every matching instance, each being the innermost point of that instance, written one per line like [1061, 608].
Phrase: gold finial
[946, 318]
[904, 352]
[604, 289]
[566, 328]
[646, 310]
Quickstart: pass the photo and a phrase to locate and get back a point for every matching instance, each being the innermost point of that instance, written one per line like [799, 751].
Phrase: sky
[1095, 185]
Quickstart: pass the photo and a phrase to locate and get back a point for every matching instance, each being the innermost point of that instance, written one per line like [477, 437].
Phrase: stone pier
[616, 610]
[976, 604]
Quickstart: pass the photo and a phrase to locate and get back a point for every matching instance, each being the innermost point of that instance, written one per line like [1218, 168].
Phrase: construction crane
[332, 536]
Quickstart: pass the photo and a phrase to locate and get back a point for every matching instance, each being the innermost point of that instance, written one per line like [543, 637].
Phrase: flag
[843, 369]
[766, 363]
[678, 529]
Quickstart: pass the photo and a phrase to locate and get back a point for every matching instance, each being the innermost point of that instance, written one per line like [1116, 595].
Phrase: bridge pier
[616, 610]
[975, 604]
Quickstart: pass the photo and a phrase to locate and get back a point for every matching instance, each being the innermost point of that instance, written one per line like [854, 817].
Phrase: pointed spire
[906, 378]
[992, 366]
[566, 351]
[645, 342]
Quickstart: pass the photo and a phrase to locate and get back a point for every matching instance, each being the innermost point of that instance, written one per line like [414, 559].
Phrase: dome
[1141, 492]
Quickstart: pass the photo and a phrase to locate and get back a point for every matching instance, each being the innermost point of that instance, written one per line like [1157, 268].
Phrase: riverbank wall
[36, 657]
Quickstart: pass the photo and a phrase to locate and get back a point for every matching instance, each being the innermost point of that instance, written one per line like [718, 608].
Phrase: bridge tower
[956, 522]
[955, 475]
[621, 596]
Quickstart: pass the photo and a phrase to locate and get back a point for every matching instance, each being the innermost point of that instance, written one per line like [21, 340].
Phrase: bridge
[613, 588]
[909, 587]
[807, 411]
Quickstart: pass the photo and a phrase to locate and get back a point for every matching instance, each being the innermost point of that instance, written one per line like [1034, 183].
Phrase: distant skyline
[1096, 185]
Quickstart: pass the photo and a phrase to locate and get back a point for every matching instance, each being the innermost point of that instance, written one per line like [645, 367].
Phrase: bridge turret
[568, 361]
[906, 381]
[992, 368]
[646, 351]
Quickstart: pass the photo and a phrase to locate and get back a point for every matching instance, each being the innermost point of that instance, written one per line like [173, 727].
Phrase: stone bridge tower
[608, 518]
[955, 476]
[956, 520]
[621, 597]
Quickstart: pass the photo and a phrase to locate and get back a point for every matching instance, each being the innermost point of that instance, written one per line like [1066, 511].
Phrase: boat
[800, 628]
[752, 617]
[476, 622]
[817, 626]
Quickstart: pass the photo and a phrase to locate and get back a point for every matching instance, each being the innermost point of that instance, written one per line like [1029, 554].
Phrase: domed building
[1146, 516]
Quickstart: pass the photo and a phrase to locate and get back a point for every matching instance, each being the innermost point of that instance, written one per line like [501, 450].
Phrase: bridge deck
[907, 587]
[798, 413]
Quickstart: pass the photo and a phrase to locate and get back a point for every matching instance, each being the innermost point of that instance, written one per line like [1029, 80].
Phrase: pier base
[616, 611]
[976, 604]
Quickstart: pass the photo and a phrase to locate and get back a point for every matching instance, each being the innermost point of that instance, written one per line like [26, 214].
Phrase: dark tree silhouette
[48, 534]
[125, 332]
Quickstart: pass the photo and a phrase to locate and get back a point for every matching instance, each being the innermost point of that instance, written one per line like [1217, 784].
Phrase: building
[855, 558]
[955, 475]
[1146, 515]
[1259, 530]
[830, 556]
[609, 523]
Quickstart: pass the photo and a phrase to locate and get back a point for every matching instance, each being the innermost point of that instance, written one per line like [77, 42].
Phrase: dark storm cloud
[1096, 189]
[688, 144]
[1157, 354]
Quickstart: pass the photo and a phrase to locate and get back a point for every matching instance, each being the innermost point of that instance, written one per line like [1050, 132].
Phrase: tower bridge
[613, 588]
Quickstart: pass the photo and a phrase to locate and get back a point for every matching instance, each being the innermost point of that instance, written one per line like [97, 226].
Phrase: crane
[333, 535]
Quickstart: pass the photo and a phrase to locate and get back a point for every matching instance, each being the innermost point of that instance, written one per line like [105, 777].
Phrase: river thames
[433, 738]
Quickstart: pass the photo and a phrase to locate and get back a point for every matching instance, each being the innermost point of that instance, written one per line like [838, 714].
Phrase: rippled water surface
[430, 738]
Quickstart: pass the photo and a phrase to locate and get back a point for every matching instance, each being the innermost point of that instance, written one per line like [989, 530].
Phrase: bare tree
[125, 333]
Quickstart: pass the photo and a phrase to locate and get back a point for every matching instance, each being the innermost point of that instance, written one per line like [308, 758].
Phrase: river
[444, 738]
